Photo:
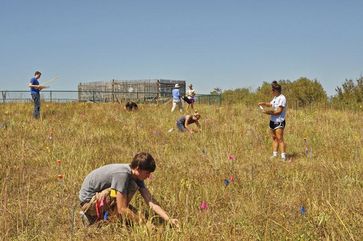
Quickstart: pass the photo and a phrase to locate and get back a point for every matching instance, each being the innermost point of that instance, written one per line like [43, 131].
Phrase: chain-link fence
[98, 96]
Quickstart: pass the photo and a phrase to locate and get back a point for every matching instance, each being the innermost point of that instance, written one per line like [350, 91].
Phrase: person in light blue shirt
[177, 98]
[277, 119]
[35, 88]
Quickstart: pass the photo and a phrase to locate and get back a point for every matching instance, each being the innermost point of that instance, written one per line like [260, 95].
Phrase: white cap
[177, 85]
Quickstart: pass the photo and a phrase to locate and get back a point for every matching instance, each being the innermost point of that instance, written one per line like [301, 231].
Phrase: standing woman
[277, 120]
[190, 97]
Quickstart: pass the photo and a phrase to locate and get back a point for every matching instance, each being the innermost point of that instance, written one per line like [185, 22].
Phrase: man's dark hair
[37, 73]
[143, 161]
[276, 86]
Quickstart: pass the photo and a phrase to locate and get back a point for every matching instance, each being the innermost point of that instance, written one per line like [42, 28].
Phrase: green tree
[307, 91]
[216, 91]
[350, 93]
[302, 91]
[240, 95]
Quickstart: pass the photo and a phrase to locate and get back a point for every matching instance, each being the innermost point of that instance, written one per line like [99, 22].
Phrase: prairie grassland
[264, 202]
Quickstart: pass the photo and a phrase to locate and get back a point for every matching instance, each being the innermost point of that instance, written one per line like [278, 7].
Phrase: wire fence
[62, 96]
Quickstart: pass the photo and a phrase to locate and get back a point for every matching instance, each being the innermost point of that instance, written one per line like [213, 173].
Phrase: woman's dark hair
[143, 161]
[275, 86]
[37, 73]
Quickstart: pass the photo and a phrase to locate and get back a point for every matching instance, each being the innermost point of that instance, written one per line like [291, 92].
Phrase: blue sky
[226, 44]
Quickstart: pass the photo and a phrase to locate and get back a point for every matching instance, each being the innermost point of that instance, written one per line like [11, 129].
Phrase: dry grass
[263, 203]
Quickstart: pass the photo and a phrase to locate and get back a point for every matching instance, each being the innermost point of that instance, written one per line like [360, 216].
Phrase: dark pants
[36, 99]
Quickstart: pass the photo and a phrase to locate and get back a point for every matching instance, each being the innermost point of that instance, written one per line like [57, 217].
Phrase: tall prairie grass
[318, 196]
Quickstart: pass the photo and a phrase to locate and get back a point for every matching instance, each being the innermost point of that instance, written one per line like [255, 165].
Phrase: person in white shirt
[277, 119]
[190, 97]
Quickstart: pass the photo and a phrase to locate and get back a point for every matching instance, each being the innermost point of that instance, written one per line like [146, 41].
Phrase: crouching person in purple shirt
[107, 191]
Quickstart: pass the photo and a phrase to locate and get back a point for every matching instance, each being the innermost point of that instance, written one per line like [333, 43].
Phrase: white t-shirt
[277, 102]
[190, 93]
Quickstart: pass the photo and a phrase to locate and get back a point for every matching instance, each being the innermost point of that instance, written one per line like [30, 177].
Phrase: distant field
[319, 197]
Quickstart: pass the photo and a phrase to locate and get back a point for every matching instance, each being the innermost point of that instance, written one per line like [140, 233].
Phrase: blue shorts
[277, 125]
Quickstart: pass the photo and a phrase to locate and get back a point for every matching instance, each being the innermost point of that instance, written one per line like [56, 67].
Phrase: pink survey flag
[231, 178]
[203, 205]
[231, 157]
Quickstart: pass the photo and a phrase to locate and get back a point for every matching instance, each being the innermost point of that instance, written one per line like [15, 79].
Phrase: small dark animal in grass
[131, 106]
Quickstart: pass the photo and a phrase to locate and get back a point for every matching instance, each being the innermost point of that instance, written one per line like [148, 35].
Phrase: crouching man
[107, 191]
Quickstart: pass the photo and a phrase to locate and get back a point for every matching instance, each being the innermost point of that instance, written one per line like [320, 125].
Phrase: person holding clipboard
[35, 89]
[277, 119]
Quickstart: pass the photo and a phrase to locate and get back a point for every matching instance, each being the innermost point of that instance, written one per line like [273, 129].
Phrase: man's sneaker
[85, 220]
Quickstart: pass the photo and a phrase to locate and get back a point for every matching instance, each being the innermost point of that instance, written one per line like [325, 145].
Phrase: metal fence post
[93, 92]
[113, 90]
[50, 96]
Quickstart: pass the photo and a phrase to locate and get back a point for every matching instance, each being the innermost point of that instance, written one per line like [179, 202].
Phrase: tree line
[300, 93]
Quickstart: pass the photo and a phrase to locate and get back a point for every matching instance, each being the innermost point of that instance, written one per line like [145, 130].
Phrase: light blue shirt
[176, 95]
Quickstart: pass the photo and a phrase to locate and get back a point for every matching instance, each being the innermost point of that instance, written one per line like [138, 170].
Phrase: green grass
[263, 203]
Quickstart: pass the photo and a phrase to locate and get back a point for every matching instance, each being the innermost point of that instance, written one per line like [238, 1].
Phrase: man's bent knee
[99, 204]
